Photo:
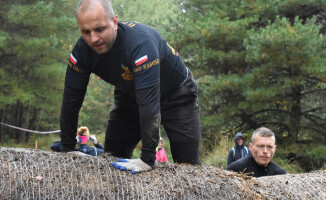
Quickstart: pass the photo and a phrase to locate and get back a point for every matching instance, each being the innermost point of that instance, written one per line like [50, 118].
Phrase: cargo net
[37, 174]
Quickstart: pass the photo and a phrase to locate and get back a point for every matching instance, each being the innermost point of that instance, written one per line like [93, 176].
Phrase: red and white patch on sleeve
[141, 60]
[73, 59]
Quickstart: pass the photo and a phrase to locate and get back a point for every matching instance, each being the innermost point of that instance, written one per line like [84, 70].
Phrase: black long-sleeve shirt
[249, 165]
[140, 64]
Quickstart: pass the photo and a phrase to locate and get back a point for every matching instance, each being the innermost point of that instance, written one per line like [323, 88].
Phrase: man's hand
[133, 165]
[93, 139]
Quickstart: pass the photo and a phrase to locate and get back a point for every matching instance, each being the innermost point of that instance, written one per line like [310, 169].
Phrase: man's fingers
[120, 166]
[134, 165]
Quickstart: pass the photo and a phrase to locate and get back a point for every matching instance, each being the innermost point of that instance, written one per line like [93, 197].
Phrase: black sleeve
[148, 100]
[238, 165]
[99, 146]
[71, 104]
[76, 81]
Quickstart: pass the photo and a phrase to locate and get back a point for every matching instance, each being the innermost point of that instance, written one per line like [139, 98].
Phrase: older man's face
[263, 149]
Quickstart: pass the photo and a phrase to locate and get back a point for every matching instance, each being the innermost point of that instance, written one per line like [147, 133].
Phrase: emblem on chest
[126, 74]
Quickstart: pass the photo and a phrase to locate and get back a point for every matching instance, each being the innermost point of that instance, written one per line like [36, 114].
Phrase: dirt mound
[36, 174]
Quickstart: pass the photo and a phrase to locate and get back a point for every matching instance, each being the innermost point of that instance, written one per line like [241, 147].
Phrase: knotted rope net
[37, 174]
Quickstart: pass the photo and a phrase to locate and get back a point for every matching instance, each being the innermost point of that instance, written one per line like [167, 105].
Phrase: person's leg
[121, 137]
[184, 136]
[181, 121]
[123, 130]
[185, 152]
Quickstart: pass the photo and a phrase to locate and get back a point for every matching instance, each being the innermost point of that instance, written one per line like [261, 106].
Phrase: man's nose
[94, 37]
[265, 149]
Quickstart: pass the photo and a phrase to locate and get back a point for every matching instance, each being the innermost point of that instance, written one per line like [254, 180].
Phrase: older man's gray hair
[263, 132]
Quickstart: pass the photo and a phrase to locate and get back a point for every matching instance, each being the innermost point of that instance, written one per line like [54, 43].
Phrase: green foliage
[97, 104]
[307, 157]
[155, 13]
[287, 64]
[292, 168]
[151, 12]
[260, 63]
[34, 37]
[42, 142]
[218, 156]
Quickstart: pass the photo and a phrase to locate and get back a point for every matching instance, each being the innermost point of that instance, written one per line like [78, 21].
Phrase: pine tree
[35, 37]
[260, 63]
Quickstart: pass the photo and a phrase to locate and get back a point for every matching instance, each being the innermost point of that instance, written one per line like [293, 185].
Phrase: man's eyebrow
[84, 30]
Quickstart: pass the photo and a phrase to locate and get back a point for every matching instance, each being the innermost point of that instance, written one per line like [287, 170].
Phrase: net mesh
[37, 174]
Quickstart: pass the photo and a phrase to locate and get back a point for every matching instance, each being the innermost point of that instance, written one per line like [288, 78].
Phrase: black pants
[179, 116]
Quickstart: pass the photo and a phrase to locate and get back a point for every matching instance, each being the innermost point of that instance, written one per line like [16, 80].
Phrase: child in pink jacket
[160, 152]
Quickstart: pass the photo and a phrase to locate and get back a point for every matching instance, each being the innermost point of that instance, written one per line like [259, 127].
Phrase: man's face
[97, 29]
[240, 141]
[263, 149]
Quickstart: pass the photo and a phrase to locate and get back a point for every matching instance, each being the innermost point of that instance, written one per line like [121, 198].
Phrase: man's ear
[115, 22]
[250, 146]
[274, 148]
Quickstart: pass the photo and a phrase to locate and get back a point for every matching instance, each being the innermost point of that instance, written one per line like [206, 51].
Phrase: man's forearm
[150, 137]
[71, 104]
[148, 100]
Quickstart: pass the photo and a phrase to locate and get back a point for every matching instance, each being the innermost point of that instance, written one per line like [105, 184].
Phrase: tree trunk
[8, 118]
[295, 115]
[1, 129]
[19, 119]
[246, 119]
[32, 123]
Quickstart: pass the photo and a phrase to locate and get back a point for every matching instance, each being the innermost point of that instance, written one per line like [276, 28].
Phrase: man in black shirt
[152, 86]
[259, 163]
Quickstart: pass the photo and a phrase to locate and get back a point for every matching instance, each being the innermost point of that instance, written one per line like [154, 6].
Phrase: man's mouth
[97, 46]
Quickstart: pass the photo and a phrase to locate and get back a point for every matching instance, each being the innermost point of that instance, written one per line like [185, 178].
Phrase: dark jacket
[248, 165]
[237, 151]
[93, 151]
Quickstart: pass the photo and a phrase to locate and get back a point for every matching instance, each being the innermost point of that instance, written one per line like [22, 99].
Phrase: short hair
[263, 132]
[106, 4]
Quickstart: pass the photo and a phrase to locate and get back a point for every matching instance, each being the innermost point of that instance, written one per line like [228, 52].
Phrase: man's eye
[85, 32]
[99, 29]
[263, 146]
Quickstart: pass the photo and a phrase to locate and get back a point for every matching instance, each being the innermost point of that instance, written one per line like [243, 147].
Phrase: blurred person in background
[239, 150]
[160, 152]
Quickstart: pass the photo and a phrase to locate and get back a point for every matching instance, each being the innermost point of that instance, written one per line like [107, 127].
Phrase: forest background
[257, 63]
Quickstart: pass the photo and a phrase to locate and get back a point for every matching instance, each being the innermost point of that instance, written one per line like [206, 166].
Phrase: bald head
[89, 5]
